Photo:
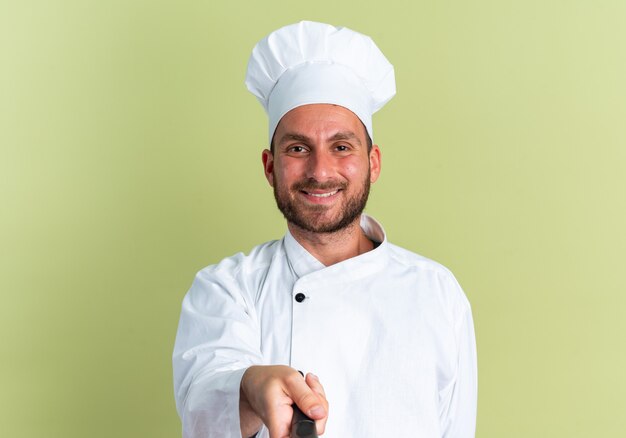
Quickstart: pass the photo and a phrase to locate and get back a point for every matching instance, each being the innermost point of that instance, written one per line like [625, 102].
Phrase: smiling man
[388, 332]
[321, 169]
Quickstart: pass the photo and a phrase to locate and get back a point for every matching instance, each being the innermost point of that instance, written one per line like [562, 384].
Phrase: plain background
[130, 159]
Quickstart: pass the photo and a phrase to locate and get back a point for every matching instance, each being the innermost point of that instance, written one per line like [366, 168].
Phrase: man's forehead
[332, 136]
[313, 110]
[331, 121]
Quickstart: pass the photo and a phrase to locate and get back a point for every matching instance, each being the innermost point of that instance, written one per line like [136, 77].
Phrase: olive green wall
[130, 159]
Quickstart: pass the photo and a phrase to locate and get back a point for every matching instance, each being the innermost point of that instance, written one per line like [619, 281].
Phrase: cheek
[286, 173]
[355, 169]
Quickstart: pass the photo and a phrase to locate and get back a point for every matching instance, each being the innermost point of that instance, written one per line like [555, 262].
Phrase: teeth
[323, 195]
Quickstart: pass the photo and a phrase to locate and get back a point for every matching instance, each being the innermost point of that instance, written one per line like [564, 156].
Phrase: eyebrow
[293, 136]
[341, 135]
[345, 135]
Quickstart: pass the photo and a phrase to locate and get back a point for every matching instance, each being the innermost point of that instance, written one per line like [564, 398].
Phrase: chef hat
[308, 62]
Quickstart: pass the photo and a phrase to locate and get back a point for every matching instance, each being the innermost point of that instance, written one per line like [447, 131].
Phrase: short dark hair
[368, 139]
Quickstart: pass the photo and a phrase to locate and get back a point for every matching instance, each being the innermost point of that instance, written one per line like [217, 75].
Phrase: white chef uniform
[389, 333]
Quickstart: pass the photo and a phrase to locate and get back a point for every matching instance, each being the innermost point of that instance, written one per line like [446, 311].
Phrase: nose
[319, 165]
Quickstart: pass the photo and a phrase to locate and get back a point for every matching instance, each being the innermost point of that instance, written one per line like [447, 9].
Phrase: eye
[296, 148]
[342, 148]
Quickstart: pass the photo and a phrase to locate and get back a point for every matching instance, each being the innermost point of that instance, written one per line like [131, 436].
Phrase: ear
[268, 166]
[375, 157]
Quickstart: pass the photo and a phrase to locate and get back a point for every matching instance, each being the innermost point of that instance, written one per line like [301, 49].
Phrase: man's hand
[267, 393]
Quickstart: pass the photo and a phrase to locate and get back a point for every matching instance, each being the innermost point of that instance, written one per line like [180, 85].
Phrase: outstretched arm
[218, 338]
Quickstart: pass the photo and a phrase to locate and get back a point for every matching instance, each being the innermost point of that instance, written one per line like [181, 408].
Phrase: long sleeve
[458, 413]
[217, 340]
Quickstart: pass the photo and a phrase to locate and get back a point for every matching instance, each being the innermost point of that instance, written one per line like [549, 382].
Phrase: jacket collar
[304, 263]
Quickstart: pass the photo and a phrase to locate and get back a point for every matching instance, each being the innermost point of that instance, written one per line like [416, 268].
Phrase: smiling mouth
[321, 195]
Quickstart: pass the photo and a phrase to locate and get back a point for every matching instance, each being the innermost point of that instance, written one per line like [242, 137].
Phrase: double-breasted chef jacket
[389, 333]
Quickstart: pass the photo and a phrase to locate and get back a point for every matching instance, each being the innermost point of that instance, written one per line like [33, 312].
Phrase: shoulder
[234, 275]
[257, 258]
[412, 260]
[440, 279]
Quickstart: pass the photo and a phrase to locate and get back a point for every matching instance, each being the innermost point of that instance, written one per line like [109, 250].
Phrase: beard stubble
[311, 217]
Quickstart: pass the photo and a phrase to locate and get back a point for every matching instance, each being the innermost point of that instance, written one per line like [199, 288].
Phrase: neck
[331, 248]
